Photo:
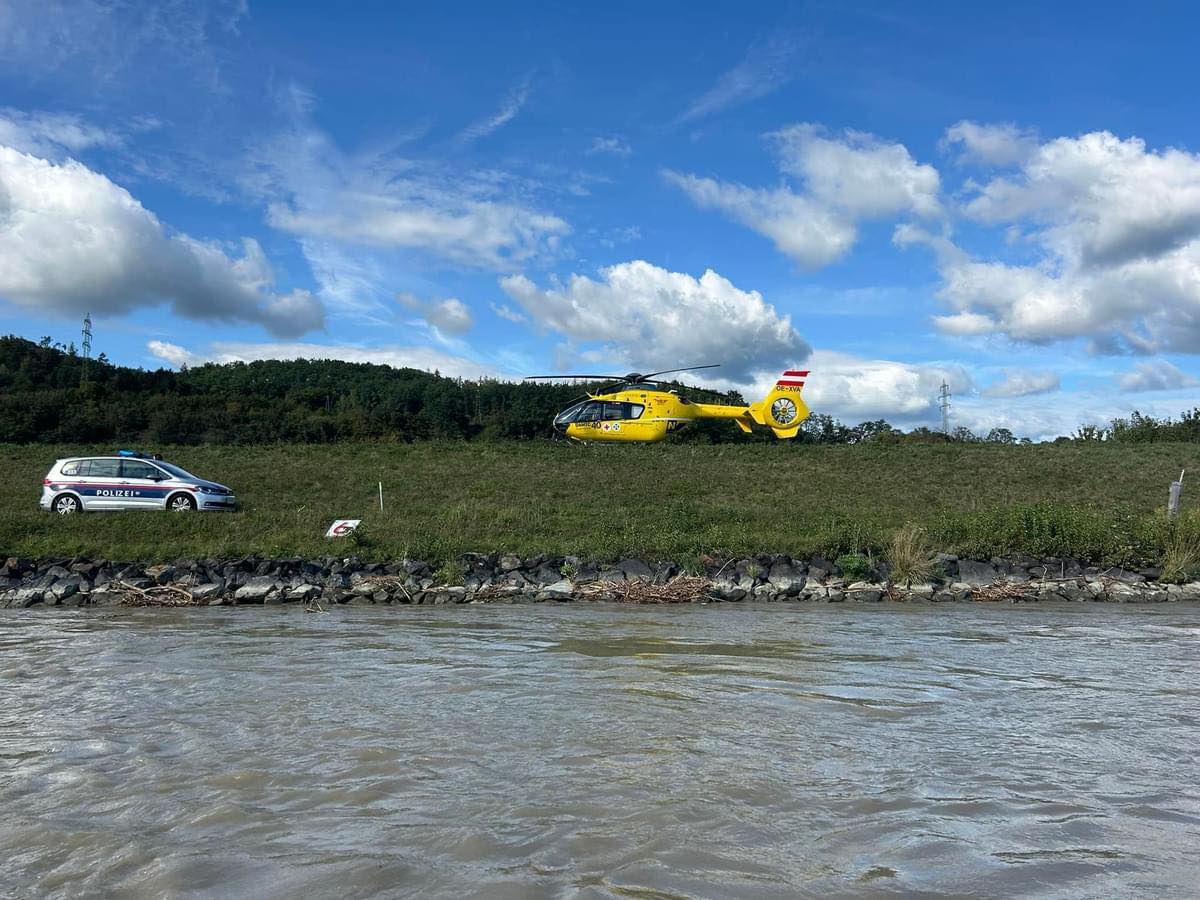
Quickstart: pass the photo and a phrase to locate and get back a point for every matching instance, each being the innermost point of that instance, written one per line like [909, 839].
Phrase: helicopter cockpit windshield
[598, 411]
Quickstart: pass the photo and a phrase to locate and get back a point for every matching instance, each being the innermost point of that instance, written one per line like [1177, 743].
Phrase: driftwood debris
[159, 595]
[680, 589]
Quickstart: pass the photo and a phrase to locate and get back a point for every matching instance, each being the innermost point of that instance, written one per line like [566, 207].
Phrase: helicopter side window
[591, 411]
[633, 410]
[614, 411]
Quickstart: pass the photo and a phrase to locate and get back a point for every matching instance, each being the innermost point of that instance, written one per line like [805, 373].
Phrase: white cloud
[997, 145]
[855, 389]
[1023, 383]
[1117, 231]
[1100, 200]
[504, 311]
[509, 107]
[610, 145]
[811, 235]
[765, 68]
[71, 241]
[173, 354]
[101, 42]
[846, 179]
[425, 358]
[48, 135]
[858, 173]
[380, 200]
[450, 316]
[648, 318]
[1155, 375]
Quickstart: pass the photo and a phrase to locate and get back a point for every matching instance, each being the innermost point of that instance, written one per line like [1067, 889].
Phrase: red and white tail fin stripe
[792, 379]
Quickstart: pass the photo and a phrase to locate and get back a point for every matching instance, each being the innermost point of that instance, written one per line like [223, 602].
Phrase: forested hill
[47, 397]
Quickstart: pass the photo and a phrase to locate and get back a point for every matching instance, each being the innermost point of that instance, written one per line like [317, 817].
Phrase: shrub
[908, 555]
[854, 566]
[448, 573]
[1047, 529]
[1181, 555]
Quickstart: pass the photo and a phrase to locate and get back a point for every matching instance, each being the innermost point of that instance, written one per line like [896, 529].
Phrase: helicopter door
[592, 411]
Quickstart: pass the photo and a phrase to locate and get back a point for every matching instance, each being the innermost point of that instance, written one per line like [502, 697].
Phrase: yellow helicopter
[639, 408]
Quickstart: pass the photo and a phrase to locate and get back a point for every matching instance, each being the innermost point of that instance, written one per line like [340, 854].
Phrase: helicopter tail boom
[782, 410]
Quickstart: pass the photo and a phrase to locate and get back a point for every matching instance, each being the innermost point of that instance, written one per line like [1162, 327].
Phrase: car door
[141, 485]
[99, 482]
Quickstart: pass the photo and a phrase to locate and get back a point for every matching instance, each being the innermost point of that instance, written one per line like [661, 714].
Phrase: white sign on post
[342, 527]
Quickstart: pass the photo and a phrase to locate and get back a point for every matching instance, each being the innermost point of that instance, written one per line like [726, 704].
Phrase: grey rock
[560, 590]
[27, 597]
[546, 574]
[257, 589]
[1189, 591]
[664, 572]
[206, 593]
[1125, 576]
[303, 593]
[65, 587]
[635, 570]
[920, 591]
[976, 573]
[863, 592]
[788, 586]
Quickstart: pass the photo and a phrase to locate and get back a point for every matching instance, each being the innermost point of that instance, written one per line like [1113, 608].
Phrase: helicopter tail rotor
[782, 410]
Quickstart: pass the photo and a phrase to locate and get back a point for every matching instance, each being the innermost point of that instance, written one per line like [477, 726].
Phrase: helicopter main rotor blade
[566, 377]
[685, 369]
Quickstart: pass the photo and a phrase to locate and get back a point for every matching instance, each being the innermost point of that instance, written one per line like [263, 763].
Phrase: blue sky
[888, 195]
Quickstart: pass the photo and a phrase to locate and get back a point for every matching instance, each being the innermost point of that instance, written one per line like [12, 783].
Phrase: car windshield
[174, 470]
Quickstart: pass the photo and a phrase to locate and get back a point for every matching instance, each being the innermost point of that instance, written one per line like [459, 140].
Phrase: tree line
[51, 394]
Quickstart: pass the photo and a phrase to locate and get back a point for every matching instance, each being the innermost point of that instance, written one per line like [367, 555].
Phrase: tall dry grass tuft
[908, 554]
[1181, 556]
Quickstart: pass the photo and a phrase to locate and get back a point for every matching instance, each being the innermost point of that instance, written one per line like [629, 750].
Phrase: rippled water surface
[560, 751]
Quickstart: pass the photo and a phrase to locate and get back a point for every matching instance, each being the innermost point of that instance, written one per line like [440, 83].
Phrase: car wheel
[181, 503]
[66, 505]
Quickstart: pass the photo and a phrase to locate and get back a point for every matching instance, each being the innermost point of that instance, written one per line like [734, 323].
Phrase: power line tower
[944, 397]
[87, 346]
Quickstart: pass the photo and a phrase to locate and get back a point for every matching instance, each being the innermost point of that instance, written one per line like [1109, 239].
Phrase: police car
[128, 480]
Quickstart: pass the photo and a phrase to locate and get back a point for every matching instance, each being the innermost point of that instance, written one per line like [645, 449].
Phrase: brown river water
[601, 751]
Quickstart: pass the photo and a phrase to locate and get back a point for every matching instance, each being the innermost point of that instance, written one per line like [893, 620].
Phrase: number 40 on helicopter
[637, 407]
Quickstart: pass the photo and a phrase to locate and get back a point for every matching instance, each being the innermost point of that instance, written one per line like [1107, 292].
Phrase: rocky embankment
[480, 578]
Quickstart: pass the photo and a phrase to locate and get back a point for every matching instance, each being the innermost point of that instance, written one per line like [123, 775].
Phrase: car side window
[133, 469]
[71, 468]
[104, 468]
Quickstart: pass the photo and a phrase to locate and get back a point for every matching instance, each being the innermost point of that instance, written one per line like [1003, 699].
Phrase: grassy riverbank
[669, 501]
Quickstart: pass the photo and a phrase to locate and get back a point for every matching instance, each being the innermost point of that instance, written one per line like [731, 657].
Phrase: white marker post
[381, 496]
[1173, 501]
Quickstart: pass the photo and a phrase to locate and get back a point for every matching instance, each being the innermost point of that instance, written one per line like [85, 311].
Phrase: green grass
[659, 501]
